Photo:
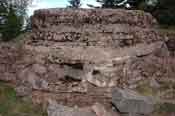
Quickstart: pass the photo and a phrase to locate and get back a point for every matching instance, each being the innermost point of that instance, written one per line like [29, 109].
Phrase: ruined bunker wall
[78, 56]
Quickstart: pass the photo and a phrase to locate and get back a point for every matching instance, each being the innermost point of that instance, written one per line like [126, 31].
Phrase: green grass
[162, 108]
[11, 105]
[146, 90]
[166, 107]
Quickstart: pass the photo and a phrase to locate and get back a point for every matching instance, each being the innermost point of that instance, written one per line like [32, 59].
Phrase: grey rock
[72, 73]
[22, 91]
[39, 69]
[162, 51]
[100, 110]
[128, 101]
[60, 110]
[32, 79]
[143, 49]
[154, 83]
[97, 109]
[8, 77]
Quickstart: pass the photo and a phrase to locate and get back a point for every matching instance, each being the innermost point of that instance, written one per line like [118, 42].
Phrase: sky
[40, 4]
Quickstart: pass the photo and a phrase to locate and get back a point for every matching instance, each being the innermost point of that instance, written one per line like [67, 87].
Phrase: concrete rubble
[131, 103]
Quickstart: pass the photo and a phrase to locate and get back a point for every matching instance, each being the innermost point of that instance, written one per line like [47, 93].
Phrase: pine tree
[74, 4]
[119, 3]
[108, 3]
[162, 10]
[13, 25]
[12, 16]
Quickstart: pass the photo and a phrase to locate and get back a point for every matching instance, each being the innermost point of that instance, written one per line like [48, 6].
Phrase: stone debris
[97, 109]
[60, 110]
[130, 102]
[100, 110]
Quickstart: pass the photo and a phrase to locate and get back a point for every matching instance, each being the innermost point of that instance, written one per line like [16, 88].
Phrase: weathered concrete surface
[47, 17]
[92, 27]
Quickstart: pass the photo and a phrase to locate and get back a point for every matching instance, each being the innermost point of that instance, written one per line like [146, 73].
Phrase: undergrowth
[11, 105]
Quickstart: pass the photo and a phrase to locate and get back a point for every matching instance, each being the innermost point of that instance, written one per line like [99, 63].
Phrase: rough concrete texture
[49, 17]
[76, 57]
[127, 101]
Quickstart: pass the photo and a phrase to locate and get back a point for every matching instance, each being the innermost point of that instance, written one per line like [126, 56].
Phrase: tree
[129, 4]
[12, 25]
[107, 3]
[12, 17]
[162, 10]
[74, 4]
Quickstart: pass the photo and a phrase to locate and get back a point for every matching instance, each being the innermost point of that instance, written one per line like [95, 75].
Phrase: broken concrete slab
[130, 102]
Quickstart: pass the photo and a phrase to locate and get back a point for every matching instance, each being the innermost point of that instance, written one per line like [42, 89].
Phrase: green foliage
[166, 107]
[12, 26]
[12, 16]
[74, 4]
[163, 10]
[165, 17]
[107, 3]
[11, 105]
[119, 3]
